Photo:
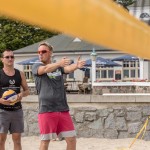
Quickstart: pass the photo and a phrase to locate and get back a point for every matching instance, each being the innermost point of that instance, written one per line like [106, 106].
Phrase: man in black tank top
[11, 115]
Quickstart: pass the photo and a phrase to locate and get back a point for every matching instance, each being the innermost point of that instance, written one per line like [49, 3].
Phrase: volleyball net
[102, 22]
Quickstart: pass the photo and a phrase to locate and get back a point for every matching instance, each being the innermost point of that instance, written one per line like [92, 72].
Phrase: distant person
[11, 116]
[84, 87]
[54, 118]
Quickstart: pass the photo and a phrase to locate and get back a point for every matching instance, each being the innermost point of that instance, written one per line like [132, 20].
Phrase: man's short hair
[6, 50]
[47, 45]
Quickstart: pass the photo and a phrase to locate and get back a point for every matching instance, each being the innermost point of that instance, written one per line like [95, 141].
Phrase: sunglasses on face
[7, 57]
[42, 52]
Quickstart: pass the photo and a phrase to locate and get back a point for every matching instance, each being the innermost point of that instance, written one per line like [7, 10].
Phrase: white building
[72, 47]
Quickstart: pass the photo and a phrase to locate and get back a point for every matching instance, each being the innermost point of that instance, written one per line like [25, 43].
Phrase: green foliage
[15, 35]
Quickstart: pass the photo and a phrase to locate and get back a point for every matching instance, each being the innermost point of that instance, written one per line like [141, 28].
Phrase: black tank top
[10, 82]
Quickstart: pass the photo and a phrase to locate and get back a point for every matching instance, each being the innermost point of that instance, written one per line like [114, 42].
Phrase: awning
[30, 61]
[126, 58]
[101, 62]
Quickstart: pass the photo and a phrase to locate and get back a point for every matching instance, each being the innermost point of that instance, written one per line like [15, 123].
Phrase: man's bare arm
[25, 91]
[52, 67]
[73, 67]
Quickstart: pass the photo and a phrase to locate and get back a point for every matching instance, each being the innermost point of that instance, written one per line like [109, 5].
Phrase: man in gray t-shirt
[54, 118]
[52, 96]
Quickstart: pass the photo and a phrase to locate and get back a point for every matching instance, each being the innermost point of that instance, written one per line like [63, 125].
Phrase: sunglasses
[42, 52]
[7, 57]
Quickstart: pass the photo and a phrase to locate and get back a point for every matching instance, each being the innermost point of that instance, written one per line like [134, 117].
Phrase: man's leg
[16, 137]
[71, 143]
[44, 144]
[4, 126]
[16, 128]
[3, 137]
[48, 125]
[66, 130]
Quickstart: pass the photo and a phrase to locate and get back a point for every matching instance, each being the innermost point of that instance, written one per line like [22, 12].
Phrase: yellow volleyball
[10, 95]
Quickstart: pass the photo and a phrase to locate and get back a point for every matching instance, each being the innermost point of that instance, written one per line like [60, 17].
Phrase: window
[126, 64]
[126, 73]
[130, 70]
[105, 73]
[110, 73]
[28, 72]
[138, 64]
[133, 74]
[98, 74]
[133, 64]
[138, 73]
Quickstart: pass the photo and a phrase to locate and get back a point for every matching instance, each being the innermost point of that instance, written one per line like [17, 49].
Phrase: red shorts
[55, 124]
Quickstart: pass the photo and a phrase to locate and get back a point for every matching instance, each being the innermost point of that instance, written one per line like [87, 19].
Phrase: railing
[72, 86]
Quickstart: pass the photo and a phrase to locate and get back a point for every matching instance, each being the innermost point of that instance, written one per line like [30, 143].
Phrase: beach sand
[32, 143]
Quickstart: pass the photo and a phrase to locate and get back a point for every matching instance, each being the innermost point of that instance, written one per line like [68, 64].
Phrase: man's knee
[16, 137]
[45, 142]
[17, 142]
[71, 140]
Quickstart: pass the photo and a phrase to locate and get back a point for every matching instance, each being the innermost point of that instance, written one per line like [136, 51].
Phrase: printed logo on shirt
[53, 75]
[11, 82]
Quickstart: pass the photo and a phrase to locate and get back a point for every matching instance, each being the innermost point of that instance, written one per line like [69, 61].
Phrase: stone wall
[32, 90]
[96, 119]
[99, 90]
[110, 122]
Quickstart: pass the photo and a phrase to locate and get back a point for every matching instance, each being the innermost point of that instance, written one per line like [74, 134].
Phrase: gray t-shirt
[51, 90]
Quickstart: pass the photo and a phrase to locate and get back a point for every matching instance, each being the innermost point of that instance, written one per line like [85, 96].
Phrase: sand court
[33, 142]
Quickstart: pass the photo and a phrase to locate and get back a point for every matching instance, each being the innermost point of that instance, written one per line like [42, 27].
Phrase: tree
[15, 35]
[125, 3]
